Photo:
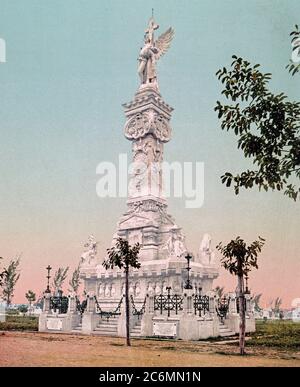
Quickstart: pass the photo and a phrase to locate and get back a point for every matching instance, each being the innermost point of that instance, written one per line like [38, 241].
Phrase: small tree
[59, 278]
[75, 280]
[124, 256]
[10, 279]
[31, 297]
[2, 273]
[238, 259]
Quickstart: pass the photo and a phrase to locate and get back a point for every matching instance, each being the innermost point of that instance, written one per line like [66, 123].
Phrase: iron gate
[59, 303]
[168, 303]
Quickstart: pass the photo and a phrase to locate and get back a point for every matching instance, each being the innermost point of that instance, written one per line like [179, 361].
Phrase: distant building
[296, 314]
[2, 310]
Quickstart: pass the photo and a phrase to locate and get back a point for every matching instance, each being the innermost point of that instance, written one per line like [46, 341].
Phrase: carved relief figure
[137, 289]
[107, 291]
[113, 290]
[123, 289]
[100, 290]
[131, 289]
[150, 289]
[157, 288]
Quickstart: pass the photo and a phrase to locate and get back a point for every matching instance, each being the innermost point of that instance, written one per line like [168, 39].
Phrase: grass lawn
[19, 323]
[281, 334]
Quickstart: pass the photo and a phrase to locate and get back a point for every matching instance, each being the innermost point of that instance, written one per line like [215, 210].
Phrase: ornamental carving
[147, 150]
[148, 122]
[146, 205]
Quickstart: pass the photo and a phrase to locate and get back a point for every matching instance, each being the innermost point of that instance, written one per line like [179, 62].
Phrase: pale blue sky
[70, 66]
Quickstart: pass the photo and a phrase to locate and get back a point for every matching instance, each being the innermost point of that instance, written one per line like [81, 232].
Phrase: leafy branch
[267, 126]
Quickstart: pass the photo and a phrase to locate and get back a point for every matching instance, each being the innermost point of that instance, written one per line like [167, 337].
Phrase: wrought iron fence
[59, 303]
[168, 303]
[110, 313]
[201, 304]
[222, 308]
[135, 311]
[81, 306]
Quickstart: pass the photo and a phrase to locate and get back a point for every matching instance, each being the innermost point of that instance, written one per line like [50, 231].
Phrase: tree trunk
[127, 306]
[242, 313]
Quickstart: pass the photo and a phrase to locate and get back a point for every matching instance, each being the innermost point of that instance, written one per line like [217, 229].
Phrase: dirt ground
[43, 349]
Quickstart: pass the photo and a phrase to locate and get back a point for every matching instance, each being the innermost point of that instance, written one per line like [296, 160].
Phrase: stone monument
[147, 219]
[170, 296]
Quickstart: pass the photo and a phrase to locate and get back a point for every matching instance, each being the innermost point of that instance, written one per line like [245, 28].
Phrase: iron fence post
[169, 298]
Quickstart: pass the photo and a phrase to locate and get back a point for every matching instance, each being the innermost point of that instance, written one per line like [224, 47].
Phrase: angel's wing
[163, 42]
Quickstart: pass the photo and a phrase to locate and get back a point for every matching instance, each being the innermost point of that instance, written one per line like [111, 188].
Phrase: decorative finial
[152, 13]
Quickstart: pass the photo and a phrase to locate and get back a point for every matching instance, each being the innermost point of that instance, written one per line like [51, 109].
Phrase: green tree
[59, 278]
[239, 259]
[2, 273]
[124, 256]
[10, 279]
[267, 126]
[294, 65]
[31, 297]
[75, 280]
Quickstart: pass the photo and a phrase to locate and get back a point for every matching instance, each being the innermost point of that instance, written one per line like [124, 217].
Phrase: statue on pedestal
[151, 52]
[206, 255]
[175, 245]
[88, 257]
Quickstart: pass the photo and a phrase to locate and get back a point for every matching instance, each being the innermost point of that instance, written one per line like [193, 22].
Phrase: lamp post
[48, 268]
[168, 288]
[168, 302]
[188, 282]
[246, 279]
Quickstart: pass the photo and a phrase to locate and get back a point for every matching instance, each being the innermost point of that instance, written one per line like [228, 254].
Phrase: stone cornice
[145, 100]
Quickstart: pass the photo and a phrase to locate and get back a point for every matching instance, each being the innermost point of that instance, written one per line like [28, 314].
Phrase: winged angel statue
[151, 52]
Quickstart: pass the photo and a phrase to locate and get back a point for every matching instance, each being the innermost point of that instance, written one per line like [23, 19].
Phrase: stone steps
[107, 327]
[225, 331]
[78, 328]
[136, 331]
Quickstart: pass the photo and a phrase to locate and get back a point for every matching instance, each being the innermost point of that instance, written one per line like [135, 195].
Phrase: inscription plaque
[54, 324]
[165, 329]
